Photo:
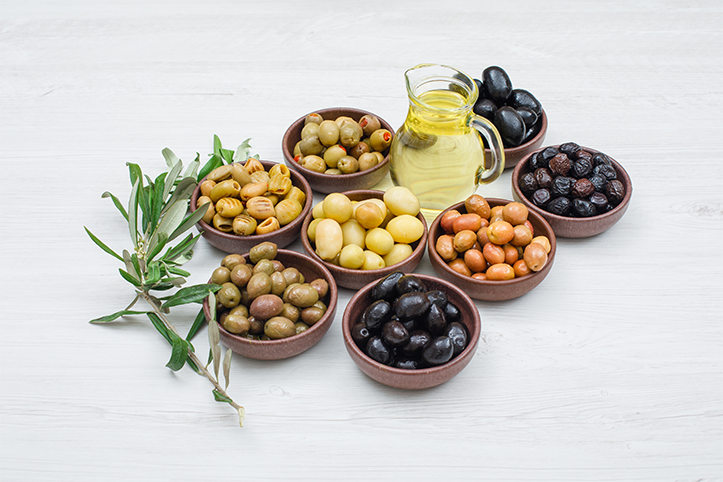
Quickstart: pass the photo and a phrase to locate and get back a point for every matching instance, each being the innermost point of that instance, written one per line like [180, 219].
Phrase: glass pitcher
[437, 153]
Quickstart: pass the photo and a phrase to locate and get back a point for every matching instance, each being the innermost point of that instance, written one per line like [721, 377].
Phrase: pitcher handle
[494, 141]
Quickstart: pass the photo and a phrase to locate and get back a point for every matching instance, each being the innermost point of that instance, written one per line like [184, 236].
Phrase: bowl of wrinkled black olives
[252, 202]
[273, 303]
[516, 113]
[339, 148]
[411, 331]
[580, 191]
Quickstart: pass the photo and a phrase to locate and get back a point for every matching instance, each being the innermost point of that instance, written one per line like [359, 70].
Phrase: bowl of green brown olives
[494, 249]
[252, 202]
[339, 149]
[581, 192]
[411, 331]
[363, 235]
[273, 303]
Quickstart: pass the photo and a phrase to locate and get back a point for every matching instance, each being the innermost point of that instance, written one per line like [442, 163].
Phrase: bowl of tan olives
[252, 202]
[580, 191]
[494, 249]
[339, 149]
[273, 303]
[363, 235]
[411, 331]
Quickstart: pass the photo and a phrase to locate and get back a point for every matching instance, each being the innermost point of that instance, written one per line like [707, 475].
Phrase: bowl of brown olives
[273, 303]
[339, 148]
[580, 191]
[411, 331]
[493, 249]
[252, 202]
[363, 235]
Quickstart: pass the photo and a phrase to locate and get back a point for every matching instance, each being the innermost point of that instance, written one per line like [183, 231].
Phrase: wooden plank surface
[611, 370]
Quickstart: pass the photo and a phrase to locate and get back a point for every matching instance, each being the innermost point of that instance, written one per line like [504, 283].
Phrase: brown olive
[464, 240]
[478, 205]
[321, 285]
[241, 274]
[279, 327]
[535, 256]
[369, 123]
[447, 220]
[312, 314]
[475, 260]
[471, 221]
[266, 306]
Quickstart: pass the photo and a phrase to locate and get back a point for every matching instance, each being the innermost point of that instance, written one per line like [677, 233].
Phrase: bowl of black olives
[339, 148]
[581, 192]
[516, 113]
[411, 331]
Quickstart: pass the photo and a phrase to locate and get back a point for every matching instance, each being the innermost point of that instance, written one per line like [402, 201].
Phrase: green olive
[231, 260]
[303, 295]
[264, 266]
[313, 118]
[239, 310]
[278, 283]
[227, 188]
[301, 327]
[222, 224]
[313, 163]
[369, 123]
[221, 275]
[241, 274]
[240, 174]
[259, 284]
[328, 132]
[380, 139]
[236, 324]
[292, 275]
[279, 327]
[333, 154]
[310, 146]
[265, 250]
[348, 165]
[290, 311]
[349, 134]
[311, 315]
[310, 129]
[229, 295]
[244, 225]
[367, 161]
[220, 173]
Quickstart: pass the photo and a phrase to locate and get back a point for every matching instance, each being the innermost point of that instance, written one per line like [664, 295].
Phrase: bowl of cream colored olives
[580, 191]
[252, 202]
[363, 235]
[493, 249]
[411, 331]
[273, 303]
[339, 149]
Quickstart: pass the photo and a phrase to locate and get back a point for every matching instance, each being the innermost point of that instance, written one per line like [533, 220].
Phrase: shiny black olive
[377, 314]
[541, 197]
[418, 339]
[457, 332]
[411, 305]
[544, 178]
[600, 201]
[408, 364]
[510, 126]
[560, 206]
[451, 312]
[583, 208]
[411, 324]
[615, 191]
[439, 351]
[360, 334]
[530, 133]
[434, 321]
[599, 182]
[522, 98]
[385, 289]
[409, 283]
[437, 297]
[496, 85]
[378, 351]
[606, 170]
[582, 168]
[394, 333]
[562, 186]
[528, 116]
[485, 108]
[569, 148]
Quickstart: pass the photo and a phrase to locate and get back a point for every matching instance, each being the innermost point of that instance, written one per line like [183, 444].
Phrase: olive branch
[157, 214]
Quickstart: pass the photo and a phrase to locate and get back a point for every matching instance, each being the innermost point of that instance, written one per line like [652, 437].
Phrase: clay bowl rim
[322, 325]
[618, 210]
[501, 285]
[246, 242]
[348, 273]
[519, 151]
[463, 358]
[320, 177]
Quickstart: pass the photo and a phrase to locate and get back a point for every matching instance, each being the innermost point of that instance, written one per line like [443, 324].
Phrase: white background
[611, 370]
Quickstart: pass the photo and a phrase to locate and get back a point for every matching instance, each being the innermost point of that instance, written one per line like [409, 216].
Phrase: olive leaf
[116, 315]
[227, 366]
[170, 157]
[191, 294]
[102, 244]
[117, 203]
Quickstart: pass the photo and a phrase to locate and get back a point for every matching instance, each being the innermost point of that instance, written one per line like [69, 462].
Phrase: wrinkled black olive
[583, 208]
[434, 321]
[407, 364]
[409, 283]
[569, 148]
[528, 116]
[600, 201]
[496, 85]
[522, 98]
[606, 170]
[418, 339]
[560, 164]
[541, 197]
[583, 154]
[377, 314]
[437, 297]
[394, 333]
[582, 168]
[385, 289]
[615, 191]
[510, 126]
[600, 158]
[379, 351]
[599, 182]
[544, 178]
[485, 108]
[360, 334]
[457, 332]
[528, 183]
[562, 186]
[560, 206]
[583, 188]
[451, 312]
[411, 305]
[439, 351]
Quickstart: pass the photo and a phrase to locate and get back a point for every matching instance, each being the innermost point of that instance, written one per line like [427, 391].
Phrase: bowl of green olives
[339, 149]
[273, 303]
[411, 331]
[493, 249]
[579, 191]
[252, 202]
[363, 235]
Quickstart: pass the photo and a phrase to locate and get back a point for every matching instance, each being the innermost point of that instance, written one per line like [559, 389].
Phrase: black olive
[562, 186]
[600, 201]
[582, 168]
[360, 334]
[451, 312]
[544, 178]
[378, 351]
[510, 126]
[541, 197]
[560, 206]
[569, 148]
[496, 85]
[606, 170]
[411, 305]
[583, 208]
[418, 339]
[437, 297]
[394, 333]
[560, 164]
[377, 314]
[434, 321]
[615, 191]
[599, 182]
[385, 289]
[407, 364]
[583, 154]
[485, 108]
[528, 115]
[457, 332]
[409, 283]
[600, 158]
[528, 183]
[411, 324]
[439, 351]
[522, 98]
[582, 188]
[530, 133]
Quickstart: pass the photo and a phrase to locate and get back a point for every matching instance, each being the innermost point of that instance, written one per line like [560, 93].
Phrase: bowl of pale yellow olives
[252, 202]
[363, 235]
[339, 149]
[494, 249]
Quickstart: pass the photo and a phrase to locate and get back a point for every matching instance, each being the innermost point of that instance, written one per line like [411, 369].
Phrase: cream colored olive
[311, 230]
[351, 257]
[280, 185]
[317, 212]
[329, 239]
[369, 214]
[338, 207]
[353, 233]
[405, 229]
[398, 253]
[400, 200]
[222, 224]
[372, 261]
[253, 189]
[379, 240]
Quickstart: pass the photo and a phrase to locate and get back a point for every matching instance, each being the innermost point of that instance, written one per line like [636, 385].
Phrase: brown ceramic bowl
[328, 183]
[569, 227]
[514, 155]
[293, 345]
[413, 379]
[489, 290]
[356, 278]
[233, 243]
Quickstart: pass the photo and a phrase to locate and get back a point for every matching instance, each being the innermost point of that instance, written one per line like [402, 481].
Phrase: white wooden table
[611, 370]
